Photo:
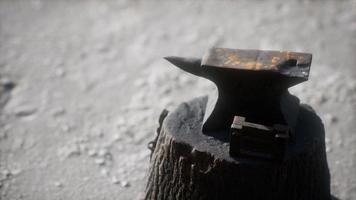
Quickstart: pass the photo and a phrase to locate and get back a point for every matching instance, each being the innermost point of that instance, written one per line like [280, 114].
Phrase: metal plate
[288, 63]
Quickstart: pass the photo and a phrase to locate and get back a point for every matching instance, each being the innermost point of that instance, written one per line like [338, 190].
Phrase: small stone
[101, 134]
[80, 140]
[69, 151]
[102, 152]
[58, 112]
[6, 173]
[123, 128]
[115, 180]
[18, 143]
[125, 184]
[328, 149]
[104, 172]
[120, 121]
[65, 128]
[100, 161]
[319, 99]
[92, 152]
[24, 111]
[58, 184]
[323, 99]
[117, 137]
[60, 72]
[20, 196]
[334, 119]
[164, 90]
[330, 118]
[15, 171]
[7, 84]
[98, 132]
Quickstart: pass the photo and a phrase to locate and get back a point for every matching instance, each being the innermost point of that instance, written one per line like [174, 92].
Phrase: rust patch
[256, 60]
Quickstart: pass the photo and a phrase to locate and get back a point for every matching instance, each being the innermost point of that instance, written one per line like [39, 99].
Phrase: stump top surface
[185, 125]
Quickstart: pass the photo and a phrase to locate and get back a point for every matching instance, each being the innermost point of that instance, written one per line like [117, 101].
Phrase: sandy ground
[83, 83]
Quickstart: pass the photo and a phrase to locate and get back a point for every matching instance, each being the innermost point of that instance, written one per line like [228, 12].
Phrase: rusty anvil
[251, 83]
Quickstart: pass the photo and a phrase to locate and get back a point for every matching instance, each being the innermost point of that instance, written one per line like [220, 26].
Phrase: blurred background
[83, 83]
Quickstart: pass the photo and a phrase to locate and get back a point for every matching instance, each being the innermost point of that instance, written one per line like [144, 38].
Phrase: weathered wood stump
[186, 164]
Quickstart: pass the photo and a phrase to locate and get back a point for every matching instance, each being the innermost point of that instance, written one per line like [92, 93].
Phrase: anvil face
[249, 82]
[291, 65]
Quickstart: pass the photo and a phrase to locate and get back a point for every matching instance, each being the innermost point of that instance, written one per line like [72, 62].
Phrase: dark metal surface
[257, 140]
[290, 64]
[251, 83]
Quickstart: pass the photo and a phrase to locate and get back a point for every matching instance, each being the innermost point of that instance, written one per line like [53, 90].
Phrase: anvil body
[250, 83]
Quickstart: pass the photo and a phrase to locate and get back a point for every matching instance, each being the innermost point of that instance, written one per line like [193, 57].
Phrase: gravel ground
[83, 83]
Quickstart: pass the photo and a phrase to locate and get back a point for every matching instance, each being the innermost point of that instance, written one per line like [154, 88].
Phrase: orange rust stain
[271, 63]
[258, 65]
[275, 60]
[236, 63]
[252, 65]
[232, 58]
[249, 65]
[227, 62]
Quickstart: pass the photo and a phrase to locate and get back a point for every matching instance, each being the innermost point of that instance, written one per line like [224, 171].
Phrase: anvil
[251, 83]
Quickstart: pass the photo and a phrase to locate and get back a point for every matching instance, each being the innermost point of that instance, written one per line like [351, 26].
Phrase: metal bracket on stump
[256, 140]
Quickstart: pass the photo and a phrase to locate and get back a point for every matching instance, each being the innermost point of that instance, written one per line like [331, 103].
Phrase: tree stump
[186, 164]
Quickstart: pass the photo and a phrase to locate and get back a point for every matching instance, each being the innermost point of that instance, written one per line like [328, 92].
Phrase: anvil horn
[191, 65]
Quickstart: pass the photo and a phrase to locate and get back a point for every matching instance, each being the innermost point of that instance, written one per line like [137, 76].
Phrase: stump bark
[186, 164]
